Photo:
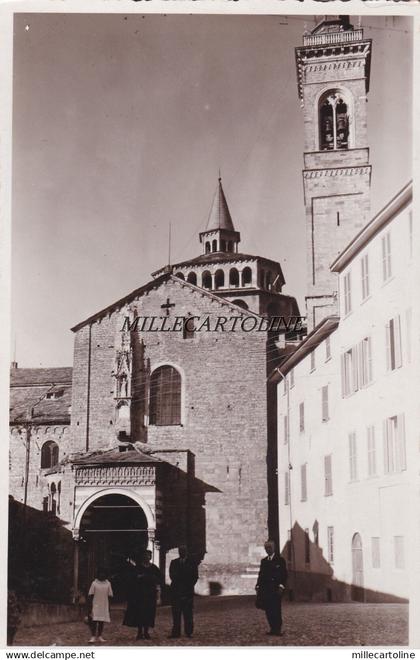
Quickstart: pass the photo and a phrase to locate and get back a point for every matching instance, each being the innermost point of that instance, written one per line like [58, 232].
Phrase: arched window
[192, 278]
[333, 122]
[208, 248]
[188, 331]
[246, 276]
[165, 397]
[214, 245]
[240, 303]
[180, 275]
[219, 279]
[49, 454]
[223, 246]
[229, 246]
[206, 280]
[233, 277]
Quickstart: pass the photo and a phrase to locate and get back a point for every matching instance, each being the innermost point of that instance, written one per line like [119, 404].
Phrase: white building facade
[347, 425]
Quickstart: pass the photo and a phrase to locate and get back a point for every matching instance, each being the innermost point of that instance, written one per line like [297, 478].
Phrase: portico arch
[110, 526]
[128, 492]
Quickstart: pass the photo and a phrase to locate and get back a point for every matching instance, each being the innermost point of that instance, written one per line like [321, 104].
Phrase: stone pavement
[234, 621]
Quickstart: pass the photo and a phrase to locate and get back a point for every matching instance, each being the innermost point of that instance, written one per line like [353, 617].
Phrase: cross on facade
[167, 306]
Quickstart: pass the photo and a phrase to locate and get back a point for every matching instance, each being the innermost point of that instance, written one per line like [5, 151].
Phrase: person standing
[184, 574]
[144, 586]
[270, 585]
[99, 594]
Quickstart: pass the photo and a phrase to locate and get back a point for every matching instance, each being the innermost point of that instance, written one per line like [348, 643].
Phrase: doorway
[357, 587]
[113, 528]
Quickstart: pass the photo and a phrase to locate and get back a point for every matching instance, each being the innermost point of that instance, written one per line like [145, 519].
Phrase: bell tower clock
[333, 70]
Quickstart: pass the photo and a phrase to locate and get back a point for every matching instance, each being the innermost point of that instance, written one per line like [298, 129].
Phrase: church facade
[170, 439]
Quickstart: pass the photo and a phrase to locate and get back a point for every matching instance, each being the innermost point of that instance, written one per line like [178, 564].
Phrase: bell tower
[333, 70]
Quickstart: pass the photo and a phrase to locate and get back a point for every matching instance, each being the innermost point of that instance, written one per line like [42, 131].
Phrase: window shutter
[401, 442]
[369, 359]
[388, 346]
[343, 375]
[354, 369]
[386, 446]
[325, 403]
[397, 342]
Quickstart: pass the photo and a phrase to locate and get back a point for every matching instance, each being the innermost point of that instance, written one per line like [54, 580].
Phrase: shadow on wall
[40, 557]
[181, 512]
[311, 575]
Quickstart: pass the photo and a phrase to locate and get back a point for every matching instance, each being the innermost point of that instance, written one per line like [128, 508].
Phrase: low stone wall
[39, 614]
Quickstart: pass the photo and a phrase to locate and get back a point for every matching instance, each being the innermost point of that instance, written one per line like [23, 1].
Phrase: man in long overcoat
[270, 585]
[184, 574]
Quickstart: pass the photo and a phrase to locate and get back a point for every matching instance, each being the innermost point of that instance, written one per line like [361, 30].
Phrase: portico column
[75, 570]
[153, 545]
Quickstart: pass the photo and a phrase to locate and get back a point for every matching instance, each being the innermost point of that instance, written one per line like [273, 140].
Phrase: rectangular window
[371, 451]
[328, 475]
[286, 429]
[394, 444]
[327, 348]
[399, 552]
[284, 386]
[330, 537]
[393, 344]
[347, 293]
[376, 555]
[312, 361]
[307, 547]
[287, 488]
[325, 415]
[352, 456]
[349, 372]
[365, 362]
[303, 483]
[301, 417]
[292, 377]
[365, 276]
[386, 257]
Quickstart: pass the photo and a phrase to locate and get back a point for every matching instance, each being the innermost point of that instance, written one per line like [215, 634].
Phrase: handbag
[260, 601]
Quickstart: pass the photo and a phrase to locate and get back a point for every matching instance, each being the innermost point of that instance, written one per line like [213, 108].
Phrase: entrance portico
[114, 512]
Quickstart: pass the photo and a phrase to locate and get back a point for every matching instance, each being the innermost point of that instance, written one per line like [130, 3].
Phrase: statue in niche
[123, 368]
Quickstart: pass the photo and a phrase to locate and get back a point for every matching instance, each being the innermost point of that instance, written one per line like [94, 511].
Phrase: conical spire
[219, 217]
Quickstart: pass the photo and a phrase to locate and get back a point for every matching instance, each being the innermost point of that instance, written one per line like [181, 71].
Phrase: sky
[120, 125]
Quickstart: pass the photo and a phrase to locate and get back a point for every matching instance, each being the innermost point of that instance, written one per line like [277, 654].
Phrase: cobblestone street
[234, 621]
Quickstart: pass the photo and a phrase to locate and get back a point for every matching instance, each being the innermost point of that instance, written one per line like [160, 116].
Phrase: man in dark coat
[184, 574]
[270, 585]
